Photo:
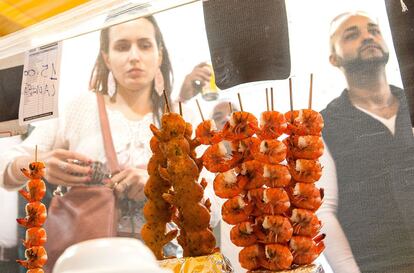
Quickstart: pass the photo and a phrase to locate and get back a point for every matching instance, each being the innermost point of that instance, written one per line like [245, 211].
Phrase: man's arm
[338, 251]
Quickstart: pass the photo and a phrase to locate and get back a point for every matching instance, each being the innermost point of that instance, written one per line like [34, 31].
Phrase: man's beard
[360, 65]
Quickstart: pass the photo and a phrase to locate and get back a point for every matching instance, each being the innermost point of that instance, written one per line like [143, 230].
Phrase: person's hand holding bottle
[194, 82]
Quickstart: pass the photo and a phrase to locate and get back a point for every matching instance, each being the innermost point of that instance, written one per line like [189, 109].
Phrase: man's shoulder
[333, 107]
[397, 91]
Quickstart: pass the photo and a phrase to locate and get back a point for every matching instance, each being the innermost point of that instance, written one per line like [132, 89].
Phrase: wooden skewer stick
[291, 100]
[231, 108]
[36, 153]
[240, 102]
[181, 108]
[199, 109]
[271, 97]
[267, 99]
[166, 101]
[310, 91]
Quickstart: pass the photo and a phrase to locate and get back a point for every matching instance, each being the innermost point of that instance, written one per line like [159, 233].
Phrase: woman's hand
[61, 169]
[201, 73]
[130, 183]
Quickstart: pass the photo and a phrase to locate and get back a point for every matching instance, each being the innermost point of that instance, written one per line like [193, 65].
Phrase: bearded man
[368, 212]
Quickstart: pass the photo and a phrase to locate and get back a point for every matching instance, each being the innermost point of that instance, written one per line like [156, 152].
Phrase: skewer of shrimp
[36, 214]
[180, 198]
[305, 146]
[157, 211]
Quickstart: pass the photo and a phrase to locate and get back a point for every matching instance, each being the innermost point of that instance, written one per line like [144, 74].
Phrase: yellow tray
[214, 263]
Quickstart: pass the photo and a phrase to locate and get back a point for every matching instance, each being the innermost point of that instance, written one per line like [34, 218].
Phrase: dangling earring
[159, 82]
[111, 85]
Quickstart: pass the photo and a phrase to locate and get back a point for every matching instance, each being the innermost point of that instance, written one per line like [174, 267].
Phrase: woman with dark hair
[103, 79]
[131, 71]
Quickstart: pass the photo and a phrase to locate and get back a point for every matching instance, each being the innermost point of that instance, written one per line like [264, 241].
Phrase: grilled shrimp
[36, 170]
[36, 190]
[250, 256]
[276, 175]
[305, 147]
[245, 147]
[272, 125]
[207, 133]
[306, 249]
[35, 257]
[35, 215]
[157, 210]
[304, 170]
[305, 223]
[35, 236]
[156, 187]
[277, 257]
[305, 196]
[243, 234]
[200, 242]
[273, 229]
[172, 124]
[154, 236]
[236, 210]
[194, 217]
[304, 122]
[270, 201]
[241, 125]
[216, 159]
[270, 151]
[228, 185]
[253, 170]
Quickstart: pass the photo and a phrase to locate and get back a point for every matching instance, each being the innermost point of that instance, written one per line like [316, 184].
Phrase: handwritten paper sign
[39, 92]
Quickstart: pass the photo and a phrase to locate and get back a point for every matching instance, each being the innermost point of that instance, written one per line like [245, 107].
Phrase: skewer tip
[240, 102]
[310, 91]
[166, 100]
[199, 109]
[267, 100]
[291, 100]
[271, 98]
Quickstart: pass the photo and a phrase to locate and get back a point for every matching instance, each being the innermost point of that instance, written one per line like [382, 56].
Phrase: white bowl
[108, 255]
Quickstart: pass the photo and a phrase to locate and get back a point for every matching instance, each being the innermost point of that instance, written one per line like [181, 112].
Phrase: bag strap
[106, 134]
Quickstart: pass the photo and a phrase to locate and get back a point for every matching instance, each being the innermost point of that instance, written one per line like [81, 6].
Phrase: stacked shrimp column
[257, 183]
[157, 211]
[305, 146]
[35, 253]
[174, 193]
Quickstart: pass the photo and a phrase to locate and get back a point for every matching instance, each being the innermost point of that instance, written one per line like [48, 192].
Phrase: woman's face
[133, 55]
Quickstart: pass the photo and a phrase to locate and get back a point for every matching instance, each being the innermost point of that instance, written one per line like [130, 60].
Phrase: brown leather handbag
[84, 212]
